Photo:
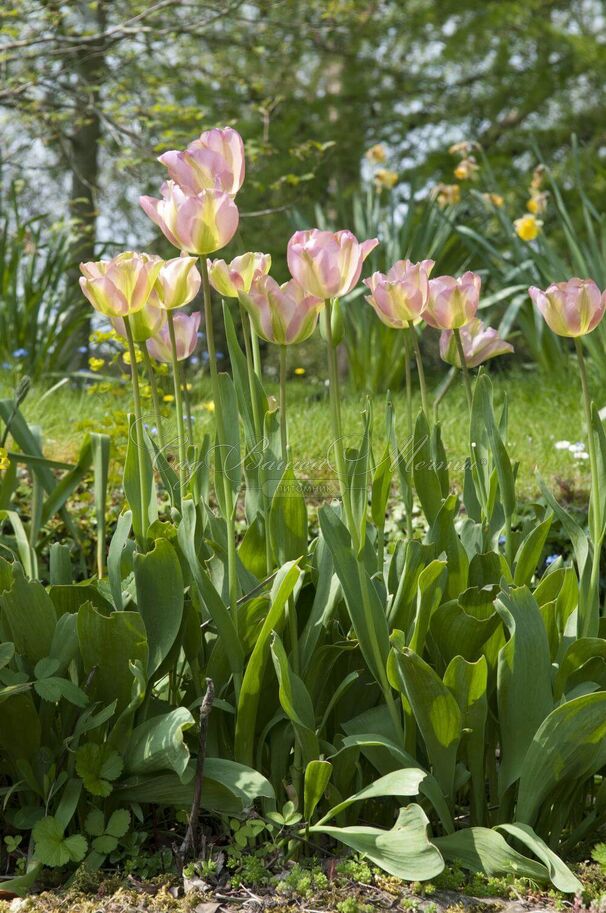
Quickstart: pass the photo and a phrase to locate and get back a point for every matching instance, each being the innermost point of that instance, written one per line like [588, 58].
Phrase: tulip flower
[177, 284]
[327, 264]
[572, 308]
[215, 161]
[480, 343]
[281, 314]
[144, 323]
[186, 337]
[230, 278]
[197, 223]
[399, 296]
[121, 286]
[452, 302]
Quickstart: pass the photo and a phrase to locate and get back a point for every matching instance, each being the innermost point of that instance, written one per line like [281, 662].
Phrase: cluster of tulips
[142, 294]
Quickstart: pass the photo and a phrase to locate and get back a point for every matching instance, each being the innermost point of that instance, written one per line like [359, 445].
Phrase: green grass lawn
[541, 412]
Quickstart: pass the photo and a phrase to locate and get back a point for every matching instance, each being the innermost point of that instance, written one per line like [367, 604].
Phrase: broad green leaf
[404, 851]
[559, 873]
[114, 559]
[426, 479]
[400, 783]
[363, 603]
[569, 746]
[479, 849]
[30, 616]
[288, 519]
[317, 776]
[139, 461]
[583, 661]
[436, 713]
[429, 593]
[228, 465]
[296, 702]
[530, 550]
[108, 644]
[250, 692]
[159, 586]
[524, 693]
[468, 683]
[158, 744]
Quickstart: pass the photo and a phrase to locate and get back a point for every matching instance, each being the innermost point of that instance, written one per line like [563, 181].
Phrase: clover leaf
[53, 848]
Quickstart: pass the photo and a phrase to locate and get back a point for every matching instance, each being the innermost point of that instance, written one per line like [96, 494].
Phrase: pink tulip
[399, 296]
[177, 284]
[327, 264]
[282, 314]
[143, 324]
[452, 302]
[572, 308]
[186, 337]
[197, 223]
[230, 278]
[480, 343]
[213, 162]
[121, 286]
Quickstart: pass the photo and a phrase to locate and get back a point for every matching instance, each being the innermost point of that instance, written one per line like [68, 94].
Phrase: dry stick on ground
[189, 844]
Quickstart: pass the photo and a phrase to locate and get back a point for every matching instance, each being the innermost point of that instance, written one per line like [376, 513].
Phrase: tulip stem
[464, 368]
[178, 402]
[232, 569]
[149, 369]
[335, 409]
[596, 533]
[283, 428]
[134, 375]
[254, 337]
[408, 377]
[420, 370]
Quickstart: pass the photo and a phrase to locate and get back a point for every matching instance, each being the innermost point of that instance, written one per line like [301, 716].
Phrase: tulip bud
[399, 297]
[327, 264]
[230, 278]
[480, 343]
[572, 308]
[197, 223]
[215, 161]
[452, 302]
[121, 286]
[143, 324]
[282, 314]
[177, 284]
[186, 328]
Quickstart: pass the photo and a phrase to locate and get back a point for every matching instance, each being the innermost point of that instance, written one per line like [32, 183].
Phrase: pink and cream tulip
[215, 161]
[121, 286]
[327, 264]
[186, 338]
[572, 308]
[230, 278]
[177, 284]
[144, 323]
[399, 296]
[480, 343]
[452, 302]
[281, 314]
[197, 223]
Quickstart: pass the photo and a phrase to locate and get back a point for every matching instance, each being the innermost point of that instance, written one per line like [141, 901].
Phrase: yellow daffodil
[447, 194]
[384, 178]
[376, 154]
[495, 199]
[527, 227]
[209, 406]
[466, 169]
[168, 398]
[299, 372]
[537, 203]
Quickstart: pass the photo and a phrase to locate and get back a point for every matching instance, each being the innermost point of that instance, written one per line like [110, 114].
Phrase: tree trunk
[83, 163]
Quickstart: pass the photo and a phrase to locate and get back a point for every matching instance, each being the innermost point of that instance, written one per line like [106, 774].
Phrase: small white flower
[562, 445]
[581, 455]
[577, 448]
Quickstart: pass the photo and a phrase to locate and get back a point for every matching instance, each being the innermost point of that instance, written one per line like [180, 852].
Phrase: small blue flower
[154, 430]
[502, 540]
[220, 355]
[204, 356]
[83, 350]
[550, 559]
[20, 353]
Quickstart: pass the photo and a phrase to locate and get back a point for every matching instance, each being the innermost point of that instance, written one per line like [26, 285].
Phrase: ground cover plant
[431, 698]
